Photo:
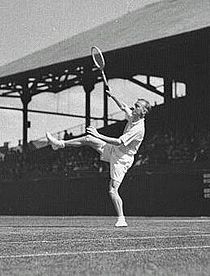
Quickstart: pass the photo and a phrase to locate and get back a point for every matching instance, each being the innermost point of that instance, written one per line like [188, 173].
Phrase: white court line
[207, 219]
[172, 220]
[125, 229]
[106, 239]
[102, 252]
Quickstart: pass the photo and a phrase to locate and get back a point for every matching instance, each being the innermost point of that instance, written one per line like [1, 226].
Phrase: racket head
[98, 58]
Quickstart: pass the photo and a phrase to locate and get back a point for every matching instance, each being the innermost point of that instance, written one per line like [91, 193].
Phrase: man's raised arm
[122, 106]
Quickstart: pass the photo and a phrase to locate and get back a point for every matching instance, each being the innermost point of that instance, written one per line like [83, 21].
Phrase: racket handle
[104, 78]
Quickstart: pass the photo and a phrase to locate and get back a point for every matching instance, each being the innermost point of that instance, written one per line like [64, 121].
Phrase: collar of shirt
[136, 122]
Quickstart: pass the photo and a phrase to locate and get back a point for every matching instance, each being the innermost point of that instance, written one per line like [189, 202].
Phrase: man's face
[139, 108]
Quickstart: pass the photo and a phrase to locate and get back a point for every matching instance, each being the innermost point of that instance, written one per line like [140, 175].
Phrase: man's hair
[147, 105]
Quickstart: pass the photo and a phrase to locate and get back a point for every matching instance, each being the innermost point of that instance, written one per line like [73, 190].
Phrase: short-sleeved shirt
[121, 157]
[132, 137]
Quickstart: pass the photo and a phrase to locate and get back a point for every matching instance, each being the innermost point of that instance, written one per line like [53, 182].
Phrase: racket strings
[98, 58]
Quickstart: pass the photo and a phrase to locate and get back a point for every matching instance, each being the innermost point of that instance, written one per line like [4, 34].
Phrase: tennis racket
[99, 62]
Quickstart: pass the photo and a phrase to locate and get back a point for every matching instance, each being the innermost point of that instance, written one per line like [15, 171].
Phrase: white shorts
[119, 162]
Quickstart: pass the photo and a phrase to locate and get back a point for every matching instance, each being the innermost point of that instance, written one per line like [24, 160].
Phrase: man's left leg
[87, 140]
[117, 201]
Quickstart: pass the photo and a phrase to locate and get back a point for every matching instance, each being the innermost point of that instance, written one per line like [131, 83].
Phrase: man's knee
[91, 139]
[94, 143]
[113, 187]
[112, 191]
[88, 138]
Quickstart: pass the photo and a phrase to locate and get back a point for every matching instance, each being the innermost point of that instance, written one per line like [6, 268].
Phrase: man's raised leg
[87, 140]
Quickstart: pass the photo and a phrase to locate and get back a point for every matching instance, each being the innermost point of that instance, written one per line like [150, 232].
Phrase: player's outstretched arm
[122, 106]
[114, 141]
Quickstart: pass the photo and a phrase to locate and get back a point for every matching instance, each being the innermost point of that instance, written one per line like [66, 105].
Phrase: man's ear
[144, 112]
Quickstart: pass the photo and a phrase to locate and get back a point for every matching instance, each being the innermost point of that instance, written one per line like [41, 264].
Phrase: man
[119, 152]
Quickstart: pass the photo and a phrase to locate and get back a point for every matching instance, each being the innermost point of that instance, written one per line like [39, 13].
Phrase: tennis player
[119, 152]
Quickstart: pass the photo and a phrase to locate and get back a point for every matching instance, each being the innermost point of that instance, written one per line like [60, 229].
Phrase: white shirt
[132, 137]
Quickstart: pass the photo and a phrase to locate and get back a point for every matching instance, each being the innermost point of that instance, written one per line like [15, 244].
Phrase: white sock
[121, 218]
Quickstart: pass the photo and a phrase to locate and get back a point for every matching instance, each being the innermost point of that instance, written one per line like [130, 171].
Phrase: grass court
[93, 246]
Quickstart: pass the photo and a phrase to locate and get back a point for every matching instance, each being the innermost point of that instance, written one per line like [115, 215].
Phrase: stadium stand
[180, 144]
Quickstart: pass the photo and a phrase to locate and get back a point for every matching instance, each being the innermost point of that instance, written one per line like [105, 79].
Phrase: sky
[31, 25]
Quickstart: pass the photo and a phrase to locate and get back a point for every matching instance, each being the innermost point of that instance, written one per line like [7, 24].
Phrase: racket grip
[104, 78]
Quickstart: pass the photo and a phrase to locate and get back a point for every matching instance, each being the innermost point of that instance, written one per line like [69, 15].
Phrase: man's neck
[136, 119]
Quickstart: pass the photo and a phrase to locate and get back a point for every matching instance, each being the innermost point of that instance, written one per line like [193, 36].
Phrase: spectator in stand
[66, 135]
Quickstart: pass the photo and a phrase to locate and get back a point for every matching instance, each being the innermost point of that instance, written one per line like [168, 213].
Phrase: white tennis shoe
[121, 222]
[55, 143]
